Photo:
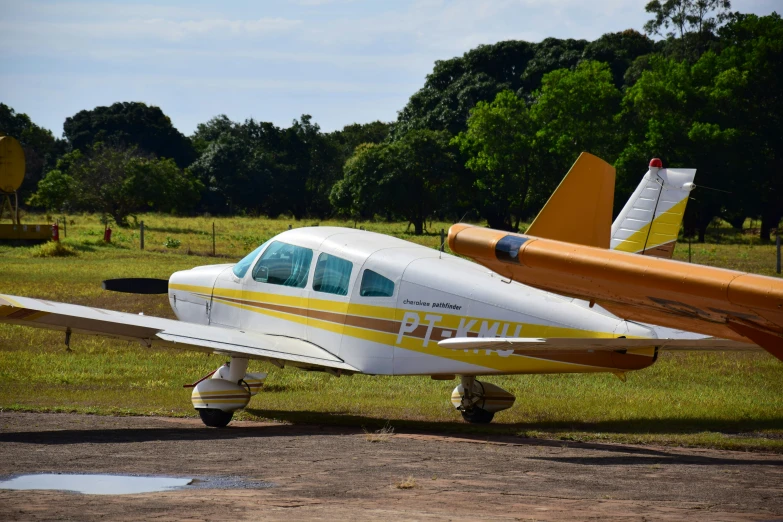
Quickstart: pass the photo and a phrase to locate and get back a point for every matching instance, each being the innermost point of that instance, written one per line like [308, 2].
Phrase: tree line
[489, 135]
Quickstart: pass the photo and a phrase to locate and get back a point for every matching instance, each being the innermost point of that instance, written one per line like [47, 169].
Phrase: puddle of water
[95, 484]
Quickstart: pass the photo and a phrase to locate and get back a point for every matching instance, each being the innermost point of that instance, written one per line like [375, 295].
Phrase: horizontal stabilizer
[580, 210]
[575, 344]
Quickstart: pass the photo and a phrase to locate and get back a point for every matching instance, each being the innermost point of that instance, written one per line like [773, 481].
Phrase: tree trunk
[737, 222]
[769, 220]
[702, 231]
[418, 226]
[495, 220]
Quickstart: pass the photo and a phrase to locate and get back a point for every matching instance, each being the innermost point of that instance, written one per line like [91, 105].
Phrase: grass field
[716, 400]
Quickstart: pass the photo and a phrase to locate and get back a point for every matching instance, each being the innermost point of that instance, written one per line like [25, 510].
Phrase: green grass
[732, 401]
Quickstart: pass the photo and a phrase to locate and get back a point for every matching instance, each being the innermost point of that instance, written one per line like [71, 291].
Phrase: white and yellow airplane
[348, 301]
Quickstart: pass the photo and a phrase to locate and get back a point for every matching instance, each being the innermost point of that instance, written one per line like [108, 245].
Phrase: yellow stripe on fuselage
[255, 301]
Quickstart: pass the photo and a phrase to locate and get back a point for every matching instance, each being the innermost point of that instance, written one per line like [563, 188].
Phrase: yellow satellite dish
[11, 164]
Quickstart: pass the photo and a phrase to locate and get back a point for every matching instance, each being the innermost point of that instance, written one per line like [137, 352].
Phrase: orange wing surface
[708, 300]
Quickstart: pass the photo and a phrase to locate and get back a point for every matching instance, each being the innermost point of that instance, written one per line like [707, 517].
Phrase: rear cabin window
[375, 285]
[332, 275]
[284, 264]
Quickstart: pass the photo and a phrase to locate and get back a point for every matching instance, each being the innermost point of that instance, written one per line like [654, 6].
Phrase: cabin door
[274, 293]
[329, 300]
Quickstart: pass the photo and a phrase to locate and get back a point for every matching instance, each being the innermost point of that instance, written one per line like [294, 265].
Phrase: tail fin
[650, 222]
[580, 210]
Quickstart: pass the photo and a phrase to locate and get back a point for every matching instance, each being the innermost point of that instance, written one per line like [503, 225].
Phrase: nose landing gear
[215, 418]
[227, 390]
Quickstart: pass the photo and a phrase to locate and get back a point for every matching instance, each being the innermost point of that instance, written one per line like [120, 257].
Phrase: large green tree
[240, 174]
[690, 24]
[499, 144]
[117, 182]
[619, 50]
[129, 124]
[746, 111]
[259, 168]
[665, 114]
[574, 112]
[358, 194]
[315, 166]
[411, 178]
[721, 115]
[211, 131]
[456, 85]
[353, 135]
[422, 175]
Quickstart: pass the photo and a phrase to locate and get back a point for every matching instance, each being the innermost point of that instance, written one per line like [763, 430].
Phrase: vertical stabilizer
[580, 210]
[650, 222]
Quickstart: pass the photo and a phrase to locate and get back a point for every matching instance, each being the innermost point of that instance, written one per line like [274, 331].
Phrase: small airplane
[347, 301]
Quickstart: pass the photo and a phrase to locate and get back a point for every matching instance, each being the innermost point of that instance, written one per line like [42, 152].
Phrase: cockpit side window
[240, 269]
[375, 285]
[332, 275]
[284, 264]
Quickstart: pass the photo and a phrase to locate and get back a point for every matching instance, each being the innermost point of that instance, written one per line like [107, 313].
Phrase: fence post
[65, 226]
[213, 238]
[777, 244]
[141, 235]
[442, 239]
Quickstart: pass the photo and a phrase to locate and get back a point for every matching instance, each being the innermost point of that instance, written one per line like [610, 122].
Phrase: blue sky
[342, 61]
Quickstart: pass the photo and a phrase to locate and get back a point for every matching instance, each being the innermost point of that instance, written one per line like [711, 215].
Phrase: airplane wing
[534, 345]
[158, 331]
[708, 300]
[565, 251]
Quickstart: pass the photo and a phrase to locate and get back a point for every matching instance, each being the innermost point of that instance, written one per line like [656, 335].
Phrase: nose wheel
[215, 418]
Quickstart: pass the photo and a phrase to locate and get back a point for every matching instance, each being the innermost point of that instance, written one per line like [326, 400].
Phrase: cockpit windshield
[241, 268]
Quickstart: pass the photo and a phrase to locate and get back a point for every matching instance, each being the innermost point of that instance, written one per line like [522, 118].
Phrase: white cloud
[179, 30]
[68, 33]
[182, 83]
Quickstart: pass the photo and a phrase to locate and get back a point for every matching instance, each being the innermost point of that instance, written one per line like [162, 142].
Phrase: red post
[107, 235]
[55, 232]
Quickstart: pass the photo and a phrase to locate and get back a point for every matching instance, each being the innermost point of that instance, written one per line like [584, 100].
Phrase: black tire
[478, 416]
[215, 418]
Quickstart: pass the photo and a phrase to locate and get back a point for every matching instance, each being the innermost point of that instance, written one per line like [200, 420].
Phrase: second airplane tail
[650, 221]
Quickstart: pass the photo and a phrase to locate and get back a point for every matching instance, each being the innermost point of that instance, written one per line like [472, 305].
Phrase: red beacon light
[656, 163]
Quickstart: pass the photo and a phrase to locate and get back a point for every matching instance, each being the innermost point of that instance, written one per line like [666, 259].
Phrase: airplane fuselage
[381, 304]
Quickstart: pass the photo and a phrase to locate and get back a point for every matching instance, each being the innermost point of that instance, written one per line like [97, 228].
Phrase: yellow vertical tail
[580, 210]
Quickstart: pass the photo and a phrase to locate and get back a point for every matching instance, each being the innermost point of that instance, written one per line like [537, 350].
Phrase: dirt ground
[336, 473]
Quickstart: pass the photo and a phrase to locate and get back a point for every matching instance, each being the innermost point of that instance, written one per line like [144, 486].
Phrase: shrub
[53, 249]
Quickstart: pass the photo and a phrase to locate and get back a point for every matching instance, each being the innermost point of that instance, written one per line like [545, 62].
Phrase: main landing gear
[478, 401]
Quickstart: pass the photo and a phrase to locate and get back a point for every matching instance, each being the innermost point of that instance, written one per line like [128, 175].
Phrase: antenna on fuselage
[443, 236]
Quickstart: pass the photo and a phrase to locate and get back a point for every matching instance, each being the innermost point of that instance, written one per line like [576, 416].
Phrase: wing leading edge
[39, 313]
